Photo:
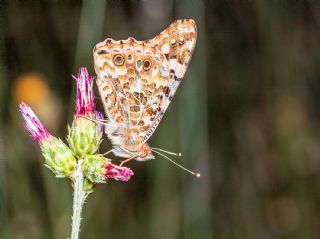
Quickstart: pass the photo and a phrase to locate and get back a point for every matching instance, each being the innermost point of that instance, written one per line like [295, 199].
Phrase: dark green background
[246, 116]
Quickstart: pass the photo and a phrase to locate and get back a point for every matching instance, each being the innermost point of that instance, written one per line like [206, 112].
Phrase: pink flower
[33, 124]
[85, 98]
[118, 173]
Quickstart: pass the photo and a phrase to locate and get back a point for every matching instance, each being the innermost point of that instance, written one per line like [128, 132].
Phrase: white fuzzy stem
[79, 196]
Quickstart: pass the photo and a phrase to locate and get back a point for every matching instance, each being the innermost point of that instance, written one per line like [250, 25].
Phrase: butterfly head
[145, 153]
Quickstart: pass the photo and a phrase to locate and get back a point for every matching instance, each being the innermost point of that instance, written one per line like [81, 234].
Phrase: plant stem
[79, 196]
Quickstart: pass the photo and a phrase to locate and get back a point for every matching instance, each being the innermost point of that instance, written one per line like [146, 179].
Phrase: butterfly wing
[137, 81]
[177, 44]
[131, 80]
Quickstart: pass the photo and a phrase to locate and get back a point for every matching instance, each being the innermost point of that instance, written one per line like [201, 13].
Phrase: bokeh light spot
[31, 88]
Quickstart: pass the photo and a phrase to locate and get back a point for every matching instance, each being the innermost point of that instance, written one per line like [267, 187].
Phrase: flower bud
[93, 168]
[98, 169]
[58, 157]
[84, 137]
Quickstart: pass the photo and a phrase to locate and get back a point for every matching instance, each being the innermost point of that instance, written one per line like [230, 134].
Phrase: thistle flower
[80, 162]
[58, 157]
[85, 135]
[118, 173]
[84, 103]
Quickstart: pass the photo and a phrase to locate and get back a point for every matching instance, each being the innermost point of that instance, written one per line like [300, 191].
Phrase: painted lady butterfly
[137, 81]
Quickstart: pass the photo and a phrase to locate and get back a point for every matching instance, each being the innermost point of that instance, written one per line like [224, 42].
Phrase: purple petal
[118, 173]
[85, 98]
[99, 117]
[32, 123]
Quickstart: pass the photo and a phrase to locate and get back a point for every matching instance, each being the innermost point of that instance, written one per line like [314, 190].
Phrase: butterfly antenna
[168, 152]
[185, 169]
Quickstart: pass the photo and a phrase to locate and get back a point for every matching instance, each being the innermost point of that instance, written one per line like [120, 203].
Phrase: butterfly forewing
[177, 43]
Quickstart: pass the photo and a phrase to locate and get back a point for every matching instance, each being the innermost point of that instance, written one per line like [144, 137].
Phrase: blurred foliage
[246, 117]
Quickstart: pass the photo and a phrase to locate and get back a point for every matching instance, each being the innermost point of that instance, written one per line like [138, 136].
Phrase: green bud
[93, 168]
[88, 186]
[58, 157]
[84, 137]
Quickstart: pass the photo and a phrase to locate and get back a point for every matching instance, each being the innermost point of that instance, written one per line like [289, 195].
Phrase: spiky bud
[84, 137]
[58, 157]
[93, 168]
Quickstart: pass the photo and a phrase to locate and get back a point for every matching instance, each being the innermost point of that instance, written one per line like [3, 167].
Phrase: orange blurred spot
[31, 88]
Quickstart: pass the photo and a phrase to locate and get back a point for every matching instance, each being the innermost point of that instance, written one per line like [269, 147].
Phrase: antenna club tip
[198, 175]
[179, 154]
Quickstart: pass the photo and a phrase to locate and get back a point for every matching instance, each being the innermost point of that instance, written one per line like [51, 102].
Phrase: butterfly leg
[127, 160]
[107, 152]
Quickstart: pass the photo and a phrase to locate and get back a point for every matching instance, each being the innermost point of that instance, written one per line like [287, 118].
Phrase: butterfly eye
[118, 60]
[146, 65]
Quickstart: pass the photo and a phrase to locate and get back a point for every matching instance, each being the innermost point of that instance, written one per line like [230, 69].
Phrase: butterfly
[137, 81]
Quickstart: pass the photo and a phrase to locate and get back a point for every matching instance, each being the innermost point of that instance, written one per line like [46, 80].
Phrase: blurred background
[246, 117]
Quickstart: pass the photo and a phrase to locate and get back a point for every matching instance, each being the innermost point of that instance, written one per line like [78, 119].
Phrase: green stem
[79, 196]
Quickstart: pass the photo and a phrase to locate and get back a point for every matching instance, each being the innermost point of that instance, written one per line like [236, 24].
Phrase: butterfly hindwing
[131, 78]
